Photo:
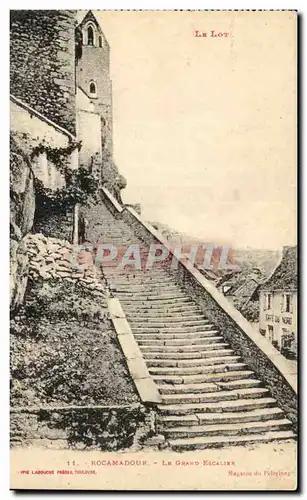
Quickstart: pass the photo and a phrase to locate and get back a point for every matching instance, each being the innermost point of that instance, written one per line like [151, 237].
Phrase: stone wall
[257, 352]
[37, 136]
[33, 130]
[88, 130]
[138, 370]
[42, 62]
[22, 208]
[53, 258]
[135, 206]
[105, 428]
[94, 66]
[57, 225]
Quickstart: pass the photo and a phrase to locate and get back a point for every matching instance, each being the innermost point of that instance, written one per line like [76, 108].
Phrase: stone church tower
[93, 73]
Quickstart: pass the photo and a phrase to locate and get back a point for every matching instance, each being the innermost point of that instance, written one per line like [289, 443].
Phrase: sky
[205, 127]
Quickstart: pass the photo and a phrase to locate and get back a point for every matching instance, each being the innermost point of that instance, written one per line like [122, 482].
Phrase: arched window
[93, 88]
[90, 36]
[100, 41]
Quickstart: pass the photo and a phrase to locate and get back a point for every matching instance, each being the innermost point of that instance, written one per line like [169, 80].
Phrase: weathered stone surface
[103, 428]
[64, 274]
[22, 208]
[138, 368]
[38, 56]
[115, 308]
[121, 326]
[53, 247]
[129, 346]
[28, 209]
[155, 440]
[47, 263]
[77, 275]
[19, 263]
[147, 390]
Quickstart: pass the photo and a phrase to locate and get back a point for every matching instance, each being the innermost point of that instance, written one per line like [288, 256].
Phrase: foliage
[111, 178]
[80, 184]
[61, 299]
[251, 311]
[58, 156]
[64, 351]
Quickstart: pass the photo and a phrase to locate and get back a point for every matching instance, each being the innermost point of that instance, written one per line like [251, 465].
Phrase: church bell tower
[93, 72]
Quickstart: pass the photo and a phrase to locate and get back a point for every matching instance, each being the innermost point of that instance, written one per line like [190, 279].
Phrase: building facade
[42, 63]
[93, 74]
[278, 305]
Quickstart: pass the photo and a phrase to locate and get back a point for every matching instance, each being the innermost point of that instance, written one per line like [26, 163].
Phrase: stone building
[61, 120]
[42, 63]
[93, 81]
[278, 304]
[61, 104]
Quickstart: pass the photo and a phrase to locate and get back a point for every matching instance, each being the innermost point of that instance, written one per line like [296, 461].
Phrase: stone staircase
[210, 397]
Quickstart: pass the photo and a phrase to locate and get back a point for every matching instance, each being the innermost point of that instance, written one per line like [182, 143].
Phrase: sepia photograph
[153, 250]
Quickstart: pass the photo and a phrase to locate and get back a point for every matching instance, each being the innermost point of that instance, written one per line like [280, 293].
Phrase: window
[287, 303]
[90, 36]
[100, 41]
[93, 90]
[270, 332]
[269, 301]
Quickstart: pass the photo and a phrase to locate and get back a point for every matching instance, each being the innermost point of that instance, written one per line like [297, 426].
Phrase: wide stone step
[191, 363]
[256, 415]
[161, 296]
[221, 406]
[226, 429]
[134, 281]
[158, 300]
[153, 273]
[260, 415]
[211, 397]
[127, 277]
[188, 336]
[186, 388]
[186, 350]
[192, 356]
[181, 342]
[220, 376]
[198, 443]
[174, 318]
[197, 370]
[156, 310]
[169, 323]
[177, 305]
[207, 386]
[207, 327]
[147, 288]
[239, 384]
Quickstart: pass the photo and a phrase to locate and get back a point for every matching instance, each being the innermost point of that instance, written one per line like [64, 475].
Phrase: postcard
[153, 250]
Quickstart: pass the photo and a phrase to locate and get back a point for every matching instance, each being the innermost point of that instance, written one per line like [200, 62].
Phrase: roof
[284, 278]
[247, 289]
[237, 281]
[90, 17]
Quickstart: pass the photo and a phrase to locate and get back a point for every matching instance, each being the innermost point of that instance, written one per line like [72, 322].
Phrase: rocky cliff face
[22, 209]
